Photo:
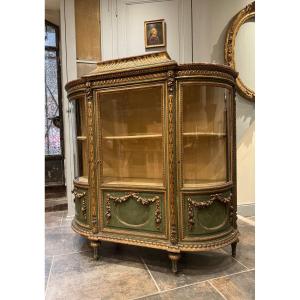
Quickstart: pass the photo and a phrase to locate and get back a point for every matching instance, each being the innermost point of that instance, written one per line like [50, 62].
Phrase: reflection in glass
[204, 134]
[81, 138]
[131, 122]
[245, 53]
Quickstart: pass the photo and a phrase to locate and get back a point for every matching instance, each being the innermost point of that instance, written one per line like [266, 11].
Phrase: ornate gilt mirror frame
[240, 18]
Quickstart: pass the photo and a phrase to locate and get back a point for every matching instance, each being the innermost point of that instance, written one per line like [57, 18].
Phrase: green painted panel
[142, 211]
[202, 216]
[82, 206]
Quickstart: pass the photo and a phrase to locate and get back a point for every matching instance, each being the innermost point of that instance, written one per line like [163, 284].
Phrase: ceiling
[52, 4]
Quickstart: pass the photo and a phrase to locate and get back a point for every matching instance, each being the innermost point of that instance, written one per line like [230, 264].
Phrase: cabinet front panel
[142, 212]
[131, 136]
[206, 214]
[204, 134]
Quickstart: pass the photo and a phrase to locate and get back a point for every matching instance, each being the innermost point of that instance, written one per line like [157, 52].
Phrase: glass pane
[132, 142]
[204, 135]
[50, 36]
[81, 138]
[52, 130]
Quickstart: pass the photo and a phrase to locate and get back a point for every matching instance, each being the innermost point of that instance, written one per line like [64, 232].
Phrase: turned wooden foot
[174, 257]
[96, 245]
[233, 249]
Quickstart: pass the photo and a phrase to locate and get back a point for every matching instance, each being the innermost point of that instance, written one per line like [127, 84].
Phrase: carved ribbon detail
[139, 199]
[83, 204]
[202, 204]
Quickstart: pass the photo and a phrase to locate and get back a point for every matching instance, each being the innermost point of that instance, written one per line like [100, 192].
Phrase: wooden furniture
[156, 155]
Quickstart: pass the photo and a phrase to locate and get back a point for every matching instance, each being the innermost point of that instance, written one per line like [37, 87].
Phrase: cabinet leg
[174, 257]
[96, 245]
[233, 248]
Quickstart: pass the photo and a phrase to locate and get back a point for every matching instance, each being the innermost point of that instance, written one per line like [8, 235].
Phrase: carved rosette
[93, 203]
[171, 145]
[203, 204]
[139, 199]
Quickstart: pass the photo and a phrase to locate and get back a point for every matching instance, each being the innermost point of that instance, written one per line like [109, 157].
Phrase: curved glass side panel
[204, 134]
[80, 138]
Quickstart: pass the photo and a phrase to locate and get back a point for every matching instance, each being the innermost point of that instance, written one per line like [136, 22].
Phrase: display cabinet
[156, 155]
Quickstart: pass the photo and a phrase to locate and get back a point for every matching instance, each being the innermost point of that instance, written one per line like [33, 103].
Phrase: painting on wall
[155, 33]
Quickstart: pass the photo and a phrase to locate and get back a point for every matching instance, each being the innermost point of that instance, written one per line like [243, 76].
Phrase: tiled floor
[126, 272]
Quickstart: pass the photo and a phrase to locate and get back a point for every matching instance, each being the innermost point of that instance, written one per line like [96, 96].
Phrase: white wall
[122, 27]
[210, 24]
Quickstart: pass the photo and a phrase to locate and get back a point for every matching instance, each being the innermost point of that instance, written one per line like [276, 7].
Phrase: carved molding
[239, 19]
[202, 204]
[230, 238]
[93, 202]
[132, 63]
[135, 196]
[171, 87]
[81, 197]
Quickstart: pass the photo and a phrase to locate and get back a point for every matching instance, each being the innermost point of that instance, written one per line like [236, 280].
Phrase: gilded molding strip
[233, 236]
[239, 19]
[202, 204]
[92, 183]
[173, 229]
[139, 199]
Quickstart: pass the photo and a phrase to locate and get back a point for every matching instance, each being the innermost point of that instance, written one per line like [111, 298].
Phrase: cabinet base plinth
[96, 245]
[174, 257]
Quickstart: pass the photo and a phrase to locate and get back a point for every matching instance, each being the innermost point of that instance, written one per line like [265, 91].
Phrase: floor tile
[238, 286]
[78, 276]
[245, 251]
[48, 262]
[192, 267]
[63, 240]
[200, 291]
[53, 219]
[66, 220]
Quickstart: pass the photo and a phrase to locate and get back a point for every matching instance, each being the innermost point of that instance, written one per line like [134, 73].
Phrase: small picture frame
[155, 33]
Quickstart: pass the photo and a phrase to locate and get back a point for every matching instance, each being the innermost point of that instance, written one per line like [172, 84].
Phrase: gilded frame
[163, 24]
[239, 19]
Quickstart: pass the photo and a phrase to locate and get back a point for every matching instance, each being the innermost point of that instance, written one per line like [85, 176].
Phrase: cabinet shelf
[217, 134]
[81, 138]
[128, 137]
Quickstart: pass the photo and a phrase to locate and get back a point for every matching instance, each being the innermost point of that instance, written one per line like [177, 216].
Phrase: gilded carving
[81, 197]
[93, 203]
[132, 63]
[245, 14]
[202, 204]
[139, 199]
[173, 228]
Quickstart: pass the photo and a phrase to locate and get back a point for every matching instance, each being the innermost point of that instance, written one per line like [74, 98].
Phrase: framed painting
[155, 33]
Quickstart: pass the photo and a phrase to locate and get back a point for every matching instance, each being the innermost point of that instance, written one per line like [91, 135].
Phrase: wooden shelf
[81, 138]
[155, 182]
[217, 134]
[127, 137]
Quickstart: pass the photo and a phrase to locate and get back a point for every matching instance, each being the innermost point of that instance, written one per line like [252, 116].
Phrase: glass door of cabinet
[131, 136]
[80, 139]
[204, 135]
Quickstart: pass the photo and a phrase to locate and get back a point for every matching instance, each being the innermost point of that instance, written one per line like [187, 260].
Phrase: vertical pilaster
[91, 149]
[171, 155]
